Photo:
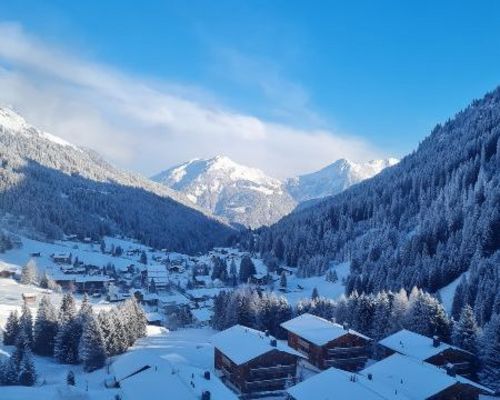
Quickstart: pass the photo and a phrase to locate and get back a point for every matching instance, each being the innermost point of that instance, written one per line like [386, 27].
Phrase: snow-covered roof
[317, 330]
[336, 384]
[154, 317]
[242, 344]
[414, 345]
[413, 378]
[162, 377]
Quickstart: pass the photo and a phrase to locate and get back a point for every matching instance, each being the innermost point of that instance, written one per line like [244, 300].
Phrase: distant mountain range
[249, 197]
[53, 187]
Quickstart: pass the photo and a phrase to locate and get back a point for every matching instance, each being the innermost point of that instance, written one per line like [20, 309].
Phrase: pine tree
[144, 258]
[92, 350]
[29, 273]
[465, 331]
[315, 294]
[45, 329]
[26, 324]
[247, 269]
[11, 329]
[490, 353]
[283, 281]
[70, 378]
[68, 333]
[27, 372]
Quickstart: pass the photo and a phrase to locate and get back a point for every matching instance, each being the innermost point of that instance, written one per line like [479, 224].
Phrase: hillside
[423, 222]
[52, 187]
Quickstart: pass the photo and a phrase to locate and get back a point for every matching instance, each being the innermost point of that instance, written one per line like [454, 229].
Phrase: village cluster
[318, 355]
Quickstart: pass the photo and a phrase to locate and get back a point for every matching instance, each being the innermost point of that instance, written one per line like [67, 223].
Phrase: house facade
[251, 361]
[431, 350]
[327, 344]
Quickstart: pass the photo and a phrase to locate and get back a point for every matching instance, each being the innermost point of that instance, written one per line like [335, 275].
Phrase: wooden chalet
[431, 350]
[157, 273]
[327, 344]
[61, 258]
[420, 380]
[252, 361]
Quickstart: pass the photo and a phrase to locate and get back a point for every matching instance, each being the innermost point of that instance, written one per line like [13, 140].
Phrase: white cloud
[145, 125]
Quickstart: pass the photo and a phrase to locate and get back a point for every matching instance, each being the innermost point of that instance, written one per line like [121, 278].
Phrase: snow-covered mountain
[241, 194]
[248, 196]
[53, 187]
[334, 178]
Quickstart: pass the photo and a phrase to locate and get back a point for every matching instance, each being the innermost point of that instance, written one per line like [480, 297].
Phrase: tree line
[68, 335]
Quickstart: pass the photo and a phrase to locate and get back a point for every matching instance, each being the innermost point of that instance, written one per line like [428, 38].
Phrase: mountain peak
[11, 121]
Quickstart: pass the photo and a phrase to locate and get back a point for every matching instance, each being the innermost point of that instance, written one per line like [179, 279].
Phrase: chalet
[433, 351]
[82, 283]
[175, 268]
[252, 361]
[141, 374]
[159, 274]
[327, 344]
[61, 258]
[261, 279]
[7, 272]
[29, 298]
[154, 318]
[337, 384]
[419, 380]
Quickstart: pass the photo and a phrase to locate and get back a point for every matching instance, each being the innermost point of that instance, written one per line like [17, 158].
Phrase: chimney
[274, 343]
[266, 332]
[370, 377]
[450, 370]
[346, 326]
[205, 395]
[206, 375]
[436, 342]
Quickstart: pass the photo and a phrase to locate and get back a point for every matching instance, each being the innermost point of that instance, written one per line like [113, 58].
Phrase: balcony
[332, 362]
[268, 384]
[349, 351]
[274, 370]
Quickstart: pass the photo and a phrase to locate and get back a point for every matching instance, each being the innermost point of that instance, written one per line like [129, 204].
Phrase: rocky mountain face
[241, 194]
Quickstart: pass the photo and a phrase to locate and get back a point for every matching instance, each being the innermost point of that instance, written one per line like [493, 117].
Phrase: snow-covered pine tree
[68, 333]
[45, 328]
[27, 372]
[92, 349]
[29, 273]
[315, 293]
[11, 329]
[283, 280]
[70, 378]
[465, 331]
[490, 353]
[247, 269]
[26, 324]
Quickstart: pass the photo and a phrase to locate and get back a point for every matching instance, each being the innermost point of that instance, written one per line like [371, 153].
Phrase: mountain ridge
[248, 196]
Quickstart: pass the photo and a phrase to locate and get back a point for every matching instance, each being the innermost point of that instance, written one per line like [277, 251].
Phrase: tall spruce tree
[45, 329]
[11, 329]
[92, 349]
[465, 330]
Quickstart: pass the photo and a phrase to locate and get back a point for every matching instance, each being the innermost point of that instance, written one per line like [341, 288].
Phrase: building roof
[143, 375]
[242, 344]
[413, 378]
[157, 272]
[415, 345]
[317, 330]
[336, 384]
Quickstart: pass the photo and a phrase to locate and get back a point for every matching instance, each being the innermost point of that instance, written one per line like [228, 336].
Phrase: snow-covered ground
[448, 292]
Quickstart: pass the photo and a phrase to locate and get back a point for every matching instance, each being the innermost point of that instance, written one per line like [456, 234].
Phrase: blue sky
[381, 73]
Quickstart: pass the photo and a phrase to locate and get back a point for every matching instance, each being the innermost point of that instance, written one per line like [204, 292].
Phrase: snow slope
[334, 178]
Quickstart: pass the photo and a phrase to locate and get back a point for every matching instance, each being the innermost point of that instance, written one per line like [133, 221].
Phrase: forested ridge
[423, 222]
